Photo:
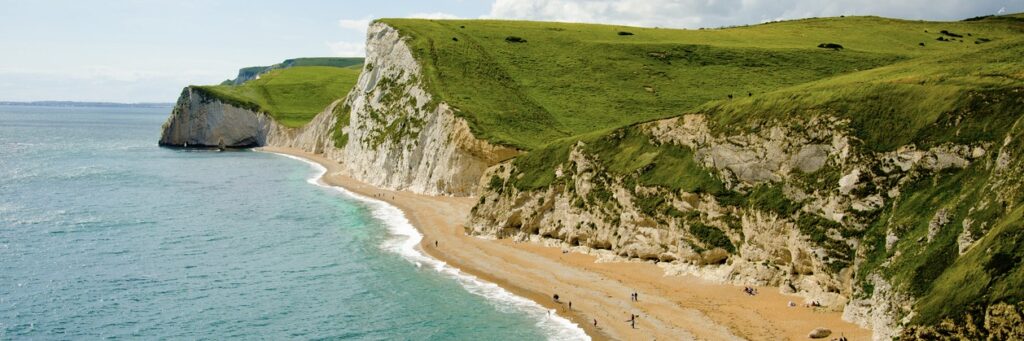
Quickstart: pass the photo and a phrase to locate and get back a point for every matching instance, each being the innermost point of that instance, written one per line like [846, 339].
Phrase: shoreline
[676, 307]
[409, 245]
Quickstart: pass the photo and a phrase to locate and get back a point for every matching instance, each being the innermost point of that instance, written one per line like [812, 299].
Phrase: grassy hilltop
[527, 83]
[542, 87]
[292, 96]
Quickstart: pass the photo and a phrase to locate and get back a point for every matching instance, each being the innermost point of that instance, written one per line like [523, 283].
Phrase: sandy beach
[669, 307]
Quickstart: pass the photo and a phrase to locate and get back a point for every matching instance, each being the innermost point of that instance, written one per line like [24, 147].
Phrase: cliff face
[793, 206]
[388, 131]
[200, 120]
[398, 136]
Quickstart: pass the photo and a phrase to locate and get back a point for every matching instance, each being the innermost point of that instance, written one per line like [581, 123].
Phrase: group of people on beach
[635, 297]
[750, 291]
[382, 196]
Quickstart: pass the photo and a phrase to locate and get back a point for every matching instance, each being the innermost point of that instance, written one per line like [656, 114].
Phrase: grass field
[562, 80]
[292, 96]
[323, 61]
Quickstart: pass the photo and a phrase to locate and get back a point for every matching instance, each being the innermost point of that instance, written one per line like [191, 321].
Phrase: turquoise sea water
[105, 235]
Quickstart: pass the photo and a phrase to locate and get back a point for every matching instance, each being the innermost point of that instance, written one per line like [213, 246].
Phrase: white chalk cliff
[398, 136]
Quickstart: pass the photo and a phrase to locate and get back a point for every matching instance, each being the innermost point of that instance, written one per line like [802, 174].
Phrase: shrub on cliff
[832, 46]
[712, 237]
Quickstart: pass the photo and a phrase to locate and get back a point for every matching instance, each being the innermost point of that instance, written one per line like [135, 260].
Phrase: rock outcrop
[201, 120]
[797, 197]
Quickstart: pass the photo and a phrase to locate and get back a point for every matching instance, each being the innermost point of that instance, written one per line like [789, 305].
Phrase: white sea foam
[405, 240]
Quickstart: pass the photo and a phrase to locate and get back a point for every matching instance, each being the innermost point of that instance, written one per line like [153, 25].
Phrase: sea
[105, 235]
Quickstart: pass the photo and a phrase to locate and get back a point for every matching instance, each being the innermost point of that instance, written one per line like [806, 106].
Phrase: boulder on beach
[819, 333]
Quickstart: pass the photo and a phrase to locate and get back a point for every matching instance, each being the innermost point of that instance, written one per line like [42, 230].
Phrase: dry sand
[669, 307]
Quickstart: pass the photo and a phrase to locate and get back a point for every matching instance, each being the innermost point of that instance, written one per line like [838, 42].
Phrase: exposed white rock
[879, 311]
[199, 120]
[940, 219]
[849, 181]
[966, 239]
[811, 158]
[819, 333]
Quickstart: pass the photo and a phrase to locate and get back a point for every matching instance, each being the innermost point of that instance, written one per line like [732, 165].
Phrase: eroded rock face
[1000, 321]
[398, 137]
[199, 120]
[809, 250]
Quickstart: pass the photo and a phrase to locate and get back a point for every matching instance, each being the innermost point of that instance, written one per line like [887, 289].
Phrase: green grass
[622, 152]
[571, 79]
[632, 153]
[342, 117]
[915, 101]
[896, 93]
[292, 96]
[350, 62]
[712, 237]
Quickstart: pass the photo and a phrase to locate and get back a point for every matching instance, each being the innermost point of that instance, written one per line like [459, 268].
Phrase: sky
[148, 50]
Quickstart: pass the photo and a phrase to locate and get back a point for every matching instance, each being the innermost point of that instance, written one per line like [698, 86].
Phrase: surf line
[404, 242]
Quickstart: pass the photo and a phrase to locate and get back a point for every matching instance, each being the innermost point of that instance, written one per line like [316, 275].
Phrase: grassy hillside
[324, 61]
[527, 83]
[248, 73]
[292, 96]
[910, 99]
[900, 93]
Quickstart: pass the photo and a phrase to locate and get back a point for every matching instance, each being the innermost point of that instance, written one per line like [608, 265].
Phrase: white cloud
[351, 48]
[358, 25]
[714, 13]
[433, 15]
[347, 49]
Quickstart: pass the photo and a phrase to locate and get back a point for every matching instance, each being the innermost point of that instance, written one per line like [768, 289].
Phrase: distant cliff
[249, 73]
[387, 131]
[201, 120]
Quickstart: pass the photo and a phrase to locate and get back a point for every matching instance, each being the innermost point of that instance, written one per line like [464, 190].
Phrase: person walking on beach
[555, 297]
[435, 243]
[595, 323]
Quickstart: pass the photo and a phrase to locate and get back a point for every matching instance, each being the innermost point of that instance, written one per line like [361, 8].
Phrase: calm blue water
[105, 235]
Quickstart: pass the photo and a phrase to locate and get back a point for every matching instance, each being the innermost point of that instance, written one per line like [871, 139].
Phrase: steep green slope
[292, 96]
[950, 239]
[527, 83]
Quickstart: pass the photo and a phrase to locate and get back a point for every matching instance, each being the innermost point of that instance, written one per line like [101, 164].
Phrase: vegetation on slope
[249, 73]
[911, 102]
[560, 80]
[347, 62]
[292, 96]
[946, 91]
